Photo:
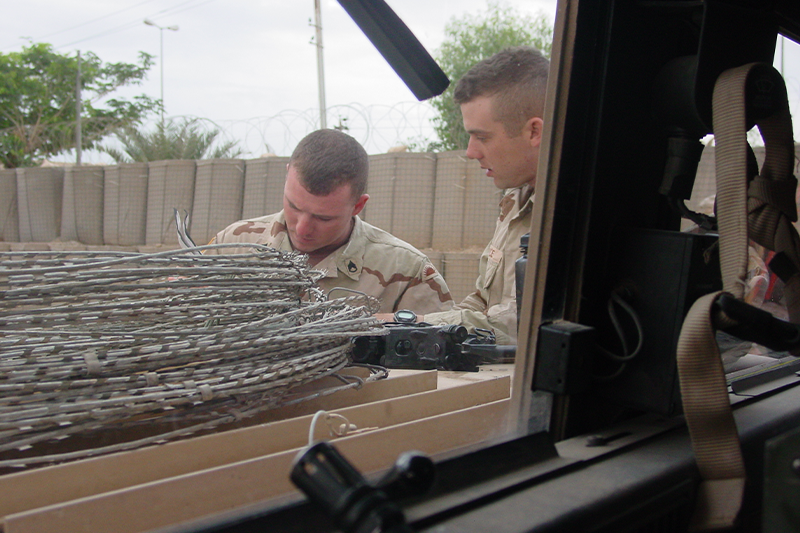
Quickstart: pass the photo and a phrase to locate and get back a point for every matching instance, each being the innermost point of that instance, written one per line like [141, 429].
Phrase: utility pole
[323, 123]
[161, 59]
[78, 109]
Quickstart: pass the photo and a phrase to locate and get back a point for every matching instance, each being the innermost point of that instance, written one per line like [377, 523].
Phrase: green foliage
[421, 143]
[38, 101]
[468, 40]
[173, 139]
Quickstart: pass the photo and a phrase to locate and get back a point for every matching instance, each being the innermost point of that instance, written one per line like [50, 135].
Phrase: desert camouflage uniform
[493, 305]
[372, 261]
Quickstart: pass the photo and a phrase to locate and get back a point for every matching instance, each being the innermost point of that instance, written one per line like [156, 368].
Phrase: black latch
[563, 355]
[355, 505]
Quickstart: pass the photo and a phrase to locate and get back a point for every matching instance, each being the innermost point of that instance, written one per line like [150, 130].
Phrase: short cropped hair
[518, 75]
[327, 159]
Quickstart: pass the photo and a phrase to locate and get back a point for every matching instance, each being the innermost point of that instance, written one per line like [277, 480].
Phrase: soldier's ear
[533, 129]
[362, 201]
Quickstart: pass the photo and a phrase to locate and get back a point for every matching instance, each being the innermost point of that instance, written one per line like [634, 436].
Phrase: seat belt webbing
[771, 210]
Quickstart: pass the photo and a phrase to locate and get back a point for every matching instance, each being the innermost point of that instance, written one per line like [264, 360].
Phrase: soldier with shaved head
[324, 192]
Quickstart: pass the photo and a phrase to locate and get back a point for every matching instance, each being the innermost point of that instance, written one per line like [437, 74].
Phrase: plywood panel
[393, 388]
[207, 492]
[104, 474]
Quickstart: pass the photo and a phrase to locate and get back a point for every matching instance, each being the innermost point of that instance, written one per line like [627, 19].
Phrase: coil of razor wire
[176, 342]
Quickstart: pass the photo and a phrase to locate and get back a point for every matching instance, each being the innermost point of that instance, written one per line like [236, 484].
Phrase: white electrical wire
[340, 431]
[626, 354]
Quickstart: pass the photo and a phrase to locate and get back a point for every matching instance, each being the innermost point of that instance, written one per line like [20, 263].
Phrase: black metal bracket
[356, 506]
[757, 325]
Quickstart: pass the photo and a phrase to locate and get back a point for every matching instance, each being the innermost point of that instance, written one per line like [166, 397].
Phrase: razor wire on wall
[377, 127]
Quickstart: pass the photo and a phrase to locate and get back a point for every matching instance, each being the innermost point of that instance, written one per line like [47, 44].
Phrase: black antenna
[398, 46]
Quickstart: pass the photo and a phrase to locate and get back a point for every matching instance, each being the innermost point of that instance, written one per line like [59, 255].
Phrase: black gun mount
[423, 346]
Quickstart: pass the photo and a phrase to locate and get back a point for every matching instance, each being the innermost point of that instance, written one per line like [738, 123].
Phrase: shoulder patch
[248, 227]
[395, 278]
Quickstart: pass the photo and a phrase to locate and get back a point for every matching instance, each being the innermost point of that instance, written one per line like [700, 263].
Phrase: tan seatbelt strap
[707, 409]
[730, 128]
[702, 378]
[765, 210]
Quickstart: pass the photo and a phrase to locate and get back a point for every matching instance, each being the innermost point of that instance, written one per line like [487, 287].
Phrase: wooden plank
[334, 397]
[329, 381]
[188, 497]
[392, 387]
[455, 379]
[22, 491]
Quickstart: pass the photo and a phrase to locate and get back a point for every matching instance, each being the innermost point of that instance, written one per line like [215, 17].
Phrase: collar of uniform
[279, 239]
[348, 258]
[523, 197]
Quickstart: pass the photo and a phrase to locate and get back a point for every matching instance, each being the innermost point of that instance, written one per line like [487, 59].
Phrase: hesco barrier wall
[219, 186]
[39, 202]
[9, 214]
[125, 204]
[263, 186]
[441, 203]
[170, 186]
[83, 205]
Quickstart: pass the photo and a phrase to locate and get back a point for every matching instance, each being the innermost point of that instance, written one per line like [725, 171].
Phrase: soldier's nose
[472, 151]
[304, 227]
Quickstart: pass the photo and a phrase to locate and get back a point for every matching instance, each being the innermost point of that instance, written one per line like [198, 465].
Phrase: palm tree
[173, 139]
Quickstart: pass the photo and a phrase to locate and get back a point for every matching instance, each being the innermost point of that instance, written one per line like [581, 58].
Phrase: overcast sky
[249, 65]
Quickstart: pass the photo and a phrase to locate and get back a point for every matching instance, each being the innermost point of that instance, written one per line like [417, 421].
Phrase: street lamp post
[161, 33]
[320, 68]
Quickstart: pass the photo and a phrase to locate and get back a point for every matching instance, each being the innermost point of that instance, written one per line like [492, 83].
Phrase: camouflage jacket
[493, 304]
[372, 261]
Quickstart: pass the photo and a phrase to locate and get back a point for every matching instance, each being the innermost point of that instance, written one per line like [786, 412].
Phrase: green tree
[469, 39]
[38, 101]
[173, 139]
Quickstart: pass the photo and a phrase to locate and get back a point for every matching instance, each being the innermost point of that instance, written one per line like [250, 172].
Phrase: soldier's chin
[305, 249]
